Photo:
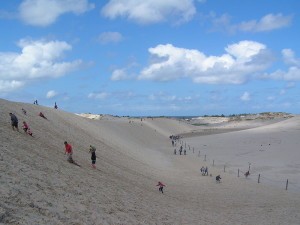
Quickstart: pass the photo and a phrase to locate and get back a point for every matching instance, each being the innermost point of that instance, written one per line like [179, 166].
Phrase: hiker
[55, 106]
[69, 152]
[24, 111]
[218, 179]
[161, 187]
[42, 115]
[247, 174]
[184, 151]
[93, 156]
[14, 121]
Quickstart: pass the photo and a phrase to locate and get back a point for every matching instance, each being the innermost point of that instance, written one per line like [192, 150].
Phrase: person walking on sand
[93, 156]
[14, 121]
[69, 152]
[161, 187]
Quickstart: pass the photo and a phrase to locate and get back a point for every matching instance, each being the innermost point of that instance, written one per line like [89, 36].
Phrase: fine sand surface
[38, 185]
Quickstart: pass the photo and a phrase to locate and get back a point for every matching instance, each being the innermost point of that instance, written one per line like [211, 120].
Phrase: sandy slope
[38, 186]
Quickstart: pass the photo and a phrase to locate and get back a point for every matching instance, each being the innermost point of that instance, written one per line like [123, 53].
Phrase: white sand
[38, 186]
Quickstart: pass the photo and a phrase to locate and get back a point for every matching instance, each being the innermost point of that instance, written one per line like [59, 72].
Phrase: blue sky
[152, 57]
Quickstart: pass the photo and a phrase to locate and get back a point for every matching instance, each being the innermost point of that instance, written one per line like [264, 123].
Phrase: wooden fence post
[213, 162]
[258, 178]
[287, 183]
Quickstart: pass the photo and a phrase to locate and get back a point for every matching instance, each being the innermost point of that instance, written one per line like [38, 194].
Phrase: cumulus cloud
[45, 12]
[51, 94]
[268, 22]
[110, 37]
[150, 11]
[234, 67]
[245, 96]
[37, 59]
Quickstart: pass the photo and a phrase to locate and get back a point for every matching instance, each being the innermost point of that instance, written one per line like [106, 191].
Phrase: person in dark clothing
[93, 156]
[55, 106]
[14, 121]
[218, 179]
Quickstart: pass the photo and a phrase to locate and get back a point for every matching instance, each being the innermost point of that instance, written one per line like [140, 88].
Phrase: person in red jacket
[161, 186]
[68, 151]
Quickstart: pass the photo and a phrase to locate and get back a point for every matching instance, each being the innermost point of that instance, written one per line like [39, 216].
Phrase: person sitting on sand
[218, 179]
[161, 187]
[42, 115]
[69, 152]
[93, 156]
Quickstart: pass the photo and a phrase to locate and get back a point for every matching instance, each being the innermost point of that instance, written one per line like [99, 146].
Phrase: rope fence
[286, 183]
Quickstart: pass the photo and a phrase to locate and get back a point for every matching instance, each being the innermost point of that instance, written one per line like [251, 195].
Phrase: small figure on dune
[161, 187]
[42, 115]
[247, 174]
[202, 169]
[24, 111]
[69, 152]
[93, 156]
[55, 106]
[175, 151]
[218, 179]
[35, 102]
[26, 128]
[14, 121]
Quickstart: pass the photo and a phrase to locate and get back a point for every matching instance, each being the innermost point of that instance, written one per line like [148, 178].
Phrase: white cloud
[10, 85]
[101, 95]
[235, 67]
[45, 12]
[119, 74]
[150, 11]
[266, 23]
[289, 57]
[110, 37]
[293, 74]
[245, 96]
[37, 59]
[51, 94]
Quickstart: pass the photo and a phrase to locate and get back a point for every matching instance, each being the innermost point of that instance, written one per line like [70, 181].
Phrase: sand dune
[38, 185]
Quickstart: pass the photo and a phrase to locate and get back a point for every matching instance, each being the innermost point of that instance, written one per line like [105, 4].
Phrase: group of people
[69, 153]
[180, 151]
